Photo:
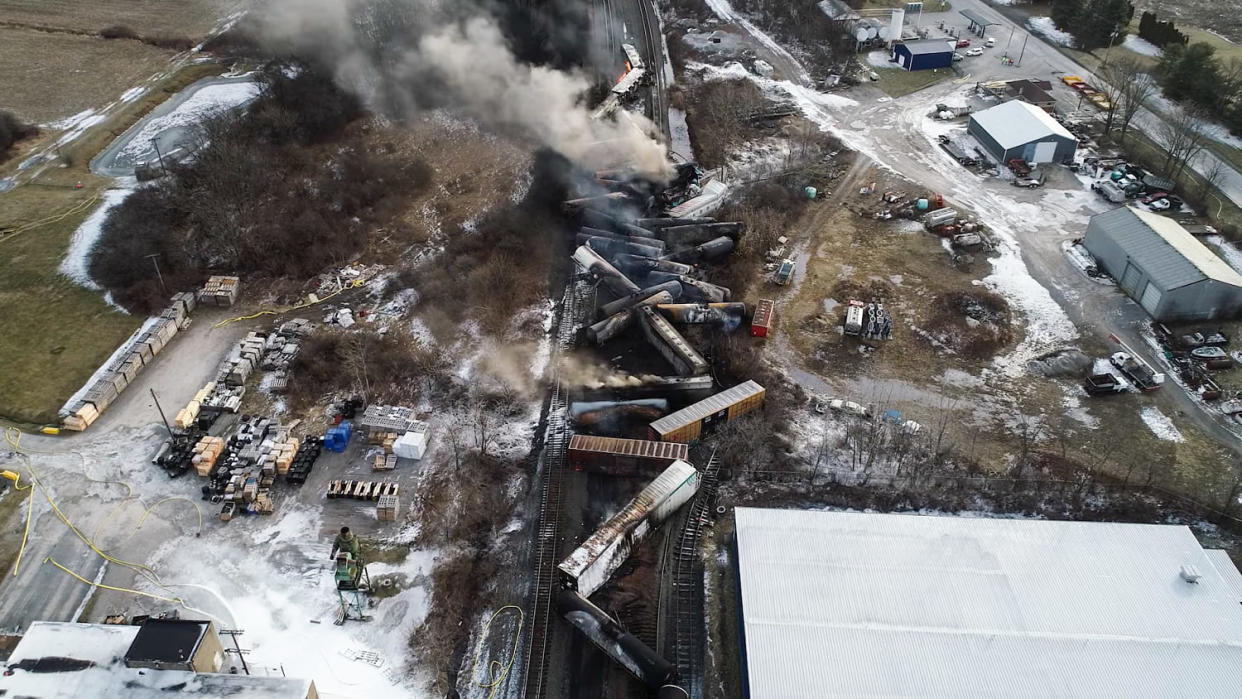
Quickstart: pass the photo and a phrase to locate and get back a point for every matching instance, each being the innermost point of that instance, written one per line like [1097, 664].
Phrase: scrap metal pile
[647, 263]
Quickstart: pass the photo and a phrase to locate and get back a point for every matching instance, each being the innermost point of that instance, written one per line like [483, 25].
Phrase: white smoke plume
[399, 55]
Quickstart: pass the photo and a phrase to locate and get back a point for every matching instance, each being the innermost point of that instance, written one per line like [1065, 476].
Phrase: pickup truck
[1104, 385]
[784, 273]
[1137, 371]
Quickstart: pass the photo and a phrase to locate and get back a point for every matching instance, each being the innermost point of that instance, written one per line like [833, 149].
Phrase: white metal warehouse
[844, 604]
[1162, 266]
[1017, 129]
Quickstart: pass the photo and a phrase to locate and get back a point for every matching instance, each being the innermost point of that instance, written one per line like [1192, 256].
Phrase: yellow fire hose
[353, 284]
[496, 671]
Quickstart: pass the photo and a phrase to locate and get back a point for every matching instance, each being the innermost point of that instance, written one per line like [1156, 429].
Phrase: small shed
[924, 54]
[1172, 275]
[1018, 129]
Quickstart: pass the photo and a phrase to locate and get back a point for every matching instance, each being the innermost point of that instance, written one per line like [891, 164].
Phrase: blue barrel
[922, 204]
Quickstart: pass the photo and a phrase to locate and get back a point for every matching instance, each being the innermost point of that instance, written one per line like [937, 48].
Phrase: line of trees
[1193, 74]
[1094, 24]
[1160, 33]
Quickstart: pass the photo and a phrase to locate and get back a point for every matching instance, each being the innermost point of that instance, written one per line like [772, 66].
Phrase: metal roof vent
[1190, 574]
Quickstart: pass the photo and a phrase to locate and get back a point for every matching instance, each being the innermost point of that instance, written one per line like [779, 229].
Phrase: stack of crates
[382, 439]
[384, 462]
[386, 508]
[220, 291]
[304, 460]
[206, 453]
[283, 454]
[187, 415]
[241, 360]
[84, 415]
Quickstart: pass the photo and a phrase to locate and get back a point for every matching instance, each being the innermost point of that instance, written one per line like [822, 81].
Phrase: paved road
[1041, 58]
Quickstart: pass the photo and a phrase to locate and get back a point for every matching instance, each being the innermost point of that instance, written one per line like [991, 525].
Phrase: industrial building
[849, 604]
[1172, 275]
[1018, 129]
[161, 658]
[924, 54]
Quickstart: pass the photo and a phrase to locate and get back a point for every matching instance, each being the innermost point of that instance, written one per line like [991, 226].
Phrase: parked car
[1175, 203]
[957, 57]
[990, 42]
[1160, 205]
[785, 272]
[975, 52]
[963, 43]
[849, 407]
[1154, 196]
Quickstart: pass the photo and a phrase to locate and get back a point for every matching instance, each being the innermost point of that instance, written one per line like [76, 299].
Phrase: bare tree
[1133, 89]
[1184, 135]
[355, 351]
[1029, 431]
[1212, 178]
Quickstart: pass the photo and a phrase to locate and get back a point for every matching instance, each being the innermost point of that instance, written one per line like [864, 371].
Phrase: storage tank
[895, 22]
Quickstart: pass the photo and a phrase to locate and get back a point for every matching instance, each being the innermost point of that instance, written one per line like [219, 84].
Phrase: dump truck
[1104, 385]
[1109, 191]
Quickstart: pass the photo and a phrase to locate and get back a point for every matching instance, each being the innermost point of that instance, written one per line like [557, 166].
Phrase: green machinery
[352, 584]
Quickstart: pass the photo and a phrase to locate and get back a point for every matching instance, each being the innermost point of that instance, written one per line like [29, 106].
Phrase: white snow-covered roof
[61, 659]
[1015, 123]
[869, 605]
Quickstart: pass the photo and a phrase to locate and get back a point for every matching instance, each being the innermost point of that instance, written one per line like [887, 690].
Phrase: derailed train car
[623, 457]
[607, 635]
[592, 563]
[692, 421]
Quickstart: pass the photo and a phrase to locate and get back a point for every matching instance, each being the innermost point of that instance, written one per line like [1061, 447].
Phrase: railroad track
[548, 529]
[653, 41]
[687, 600]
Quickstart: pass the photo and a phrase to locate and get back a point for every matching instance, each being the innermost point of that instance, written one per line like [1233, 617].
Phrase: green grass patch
[53, 333]
[896, 82]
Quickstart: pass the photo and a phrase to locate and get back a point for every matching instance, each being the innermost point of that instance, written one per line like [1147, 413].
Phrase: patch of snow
[957, 377]
[1073, 408]
[206, 101]
[1227, 250]
[133, 93]
[680, 134]
[70, 122]
[1044, 27]
[1160, 425]
[79, 127]
[725, 11]
[77, 258]
[1141, 46]
[1163, 105]
[881, 59]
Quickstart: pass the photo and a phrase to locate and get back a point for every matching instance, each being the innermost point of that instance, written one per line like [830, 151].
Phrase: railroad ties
[687, 613]
[548, 529]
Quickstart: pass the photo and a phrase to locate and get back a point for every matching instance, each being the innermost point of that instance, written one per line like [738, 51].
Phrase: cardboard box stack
[206, 453]
[220, 291]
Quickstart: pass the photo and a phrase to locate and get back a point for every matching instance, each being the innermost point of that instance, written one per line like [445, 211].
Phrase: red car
[1153, 197]
[963, 43]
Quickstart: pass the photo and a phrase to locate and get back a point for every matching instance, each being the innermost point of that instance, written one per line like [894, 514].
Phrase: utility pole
[1007, 43]
[1023, 52]
[155, 262]
[157, 407]
[155, 144]
[1112, 39]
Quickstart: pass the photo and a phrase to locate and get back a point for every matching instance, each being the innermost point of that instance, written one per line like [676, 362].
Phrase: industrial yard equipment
[352, 584]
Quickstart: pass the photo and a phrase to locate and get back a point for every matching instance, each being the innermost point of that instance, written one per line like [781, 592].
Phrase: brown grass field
[192, 18]
[72, 72]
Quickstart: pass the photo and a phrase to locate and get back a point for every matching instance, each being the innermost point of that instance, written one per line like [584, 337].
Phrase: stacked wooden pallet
[384, 462]
[220, 291]
[387, 507]
[241, 361]
[81, 418]
[206, 453]
[283, 453]
[361, 490]
[382, 439]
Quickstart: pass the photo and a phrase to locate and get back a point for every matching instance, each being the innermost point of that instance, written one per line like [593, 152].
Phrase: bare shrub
[345, 363]
[718, 116]
[175, 42]
[766, 210]
[118, 31]
[975, 324]
[13, 130]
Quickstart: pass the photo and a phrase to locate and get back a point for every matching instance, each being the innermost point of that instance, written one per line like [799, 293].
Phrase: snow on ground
[208, 100]
[77, 257]
[271, 579]
[1141, 46]
[680, 136]
[77, 125]
[1071, 402]
[71, 121]
[133, 93]
[1162, 105]
[725, 11]
[1227, 250]
[1160, 425]
[881, 59]
[1044, 27]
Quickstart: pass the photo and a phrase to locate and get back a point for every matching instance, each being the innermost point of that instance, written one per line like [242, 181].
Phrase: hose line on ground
[496, 671]
[353, 284]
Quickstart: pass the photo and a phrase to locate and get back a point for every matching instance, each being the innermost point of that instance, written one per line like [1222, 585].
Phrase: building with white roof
[1172, 275]
[1017, 129]
[161, 658]
[837, 604]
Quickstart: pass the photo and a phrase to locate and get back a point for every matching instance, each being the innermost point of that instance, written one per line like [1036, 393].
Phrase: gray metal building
[1164, 268]
[1019, 130]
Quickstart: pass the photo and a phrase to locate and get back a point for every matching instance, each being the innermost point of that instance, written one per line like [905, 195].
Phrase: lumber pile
[220, 291]
[127, 362]
[384, 462]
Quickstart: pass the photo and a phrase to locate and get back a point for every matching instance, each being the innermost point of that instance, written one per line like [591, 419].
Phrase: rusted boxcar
[761, 323]
[623, 457]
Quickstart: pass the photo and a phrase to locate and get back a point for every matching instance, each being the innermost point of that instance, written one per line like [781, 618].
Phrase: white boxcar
[591, 564]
